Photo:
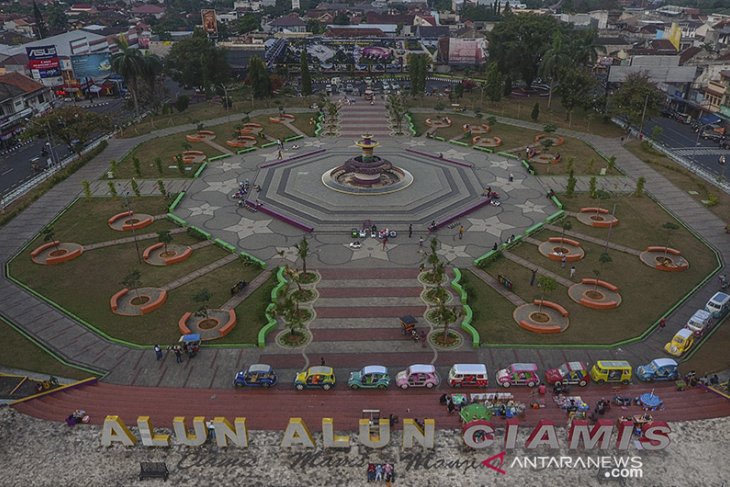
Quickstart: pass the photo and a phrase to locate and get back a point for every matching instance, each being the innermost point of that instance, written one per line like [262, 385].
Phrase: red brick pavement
[411, 353]
[385, 292]
[392, 273]
[354, 334]
[368, 312]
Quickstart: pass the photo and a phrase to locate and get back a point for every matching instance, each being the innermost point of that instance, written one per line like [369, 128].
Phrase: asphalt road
[682, 140]
[15, 167]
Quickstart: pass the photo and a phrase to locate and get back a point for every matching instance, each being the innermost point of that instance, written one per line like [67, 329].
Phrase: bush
[182, 103]
[438, 106]
[712, 200]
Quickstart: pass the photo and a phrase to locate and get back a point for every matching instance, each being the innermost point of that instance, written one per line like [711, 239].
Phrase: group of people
[602, 406]
[383, 472]
[447, 401]
[692, 380]
[77, 417]
[244, 187]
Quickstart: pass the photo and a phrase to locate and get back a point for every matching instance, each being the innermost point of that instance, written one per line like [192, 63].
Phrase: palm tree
[151, 69]
[445, 315]
[303, 251]
[554, 62]
[129, 64]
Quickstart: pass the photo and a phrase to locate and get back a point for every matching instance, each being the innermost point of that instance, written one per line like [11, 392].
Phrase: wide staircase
[363, 118]
[358, 322]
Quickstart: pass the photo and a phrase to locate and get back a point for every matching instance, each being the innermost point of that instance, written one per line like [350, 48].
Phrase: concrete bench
[148, 250]
[550, 304]
[114, 301]
[116, 217]
[43, 247]
[603, 211]
[568, 241]
[598, 304]
[154, 304]
[70, 255]
[182, 324]
[668, 250]
[230, 324]
[544, 330]
[593, 282]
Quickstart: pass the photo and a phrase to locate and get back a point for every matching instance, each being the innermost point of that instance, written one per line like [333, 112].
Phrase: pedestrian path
[597, 241]
[492, 282]
[126, 240]
[215, 145]
[540, 270]
[200, 272]
[614, 184]
[252, 286]
[146, 187]
[293, 128]
[362, 118]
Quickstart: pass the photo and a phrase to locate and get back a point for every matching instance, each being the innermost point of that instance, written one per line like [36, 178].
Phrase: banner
[43, 62]
[210, 24]
[91, 65]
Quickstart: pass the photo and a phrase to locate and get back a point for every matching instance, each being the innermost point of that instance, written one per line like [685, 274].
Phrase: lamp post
[127, 205]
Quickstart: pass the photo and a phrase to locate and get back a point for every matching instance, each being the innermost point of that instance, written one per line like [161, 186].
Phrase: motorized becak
[700, 322]
[658, 369]
[681, 342]
[369, 377]
[519, 374]
[568, 373]
[418, 375]
[318, 377]
[611, 371]
[255, 375]
[468, 375]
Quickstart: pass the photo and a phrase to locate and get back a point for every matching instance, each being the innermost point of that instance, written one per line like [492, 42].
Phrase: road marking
[7, 172]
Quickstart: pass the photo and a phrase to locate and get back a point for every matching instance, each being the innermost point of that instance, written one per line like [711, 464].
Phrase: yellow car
[681, 342]
[315, 378]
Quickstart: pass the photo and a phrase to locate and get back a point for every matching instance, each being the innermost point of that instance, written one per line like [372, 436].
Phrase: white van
[700, 322]
[718, 305]
[468, 375]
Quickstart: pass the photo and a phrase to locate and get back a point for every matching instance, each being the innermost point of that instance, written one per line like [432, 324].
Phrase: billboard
[43, 62]
[91, 65]
[210, 24]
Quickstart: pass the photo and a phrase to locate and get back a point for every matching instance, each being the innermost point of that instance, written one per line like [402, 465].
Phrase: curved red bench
[594, 210]
[148, 250]
[119, 215]
[545, 330]
[568, 241]
[140, 224]
[598, 304]
[70, 255]
[206, 132]
[114, 301]
[254, 125]
[43, 247]
[154, 304]
[604, 224]
[593, 282]
[673, 268]
[659, 248]
[178, 257]
[182, 324]
[550, 304]
[226, 329]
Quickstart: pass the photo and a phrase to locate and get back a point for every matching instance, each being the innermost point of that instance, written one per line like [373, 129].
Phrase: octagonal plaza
[293, 188]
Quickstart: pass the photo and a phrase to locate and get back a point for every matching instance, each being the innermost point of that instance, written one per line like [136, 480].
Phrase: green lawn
[683, 179]
[251, 315]
[85, 285]
[27, 356]
[226, 131]
[85, 221]
[166, 148]
[302, 122]
[646, 292]
[492, 312]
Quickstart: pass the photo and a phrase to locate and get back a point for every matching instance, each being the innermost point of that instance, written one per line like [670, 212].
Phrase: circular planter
[283, 339]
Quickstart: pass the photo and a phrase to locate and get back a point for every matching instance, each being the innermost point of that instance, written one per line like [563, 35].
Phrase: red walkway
[270, 410]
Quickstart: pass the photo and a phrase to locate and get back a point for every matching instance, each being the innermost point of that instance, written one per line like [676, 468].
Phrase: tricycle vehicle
[611, 371]
[519, 374]
[255, 375]
[315, 377]
[568, 373]
[417, 375]
[681, 342]
[658, 369]
[191, 344]
[468, 375]
[370, 377]
[700, 322]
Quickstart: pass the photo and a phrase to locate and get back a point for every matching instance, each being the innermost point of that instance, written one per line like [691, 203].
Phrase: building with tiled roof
[20, 98]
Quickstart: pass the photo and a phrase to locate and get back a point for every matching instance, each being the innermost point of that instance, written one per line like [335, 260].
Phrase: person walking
[572, 272]
[461, 231]
[410, 230]
[385, 242]
[563, 260]
[662, 323]
[533, 277]
[158, 352]
[178, 354]
[321, 361]
[420, 241]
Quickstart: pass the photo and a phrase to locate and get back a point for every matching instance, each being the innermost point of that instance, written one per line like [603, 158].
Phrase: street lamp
[128, 206]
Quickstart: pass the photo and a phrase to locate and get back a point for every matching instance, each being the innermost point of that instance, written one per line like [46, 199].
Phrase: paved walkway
[252, 286]
[147, 187]
[77, 344]
[492, 282]
[540, 270]
[126, 240]
[597, 241]
[215, 145]
[200, 272]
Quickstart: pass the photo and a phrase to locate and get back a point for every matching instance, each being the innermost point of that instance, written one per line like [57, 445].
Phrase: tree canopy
[195, 61]
[258, 77]
[637, 92]
[72, 125]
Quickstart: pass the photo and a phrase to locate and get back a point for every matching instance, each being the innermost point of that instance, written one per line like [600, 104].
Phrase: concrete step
[369, 311]
[381, 302]
[358, 323]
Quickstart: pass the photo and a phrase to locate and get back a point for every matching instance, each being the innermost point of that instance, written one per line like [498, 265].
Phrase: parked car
[520, 374]
[709, 134]
[718, 305]
[700, 322]
[681, 342]
[658, 369]
[611, 371]
[417, 375]
[255, 375]
[468, 375]
[568, 373]
[370, 377]
[315, 377]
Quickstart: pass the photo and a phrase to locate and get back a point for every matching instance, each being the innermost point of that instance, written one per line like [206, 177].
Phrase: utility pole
[643, 115]
[128, 205]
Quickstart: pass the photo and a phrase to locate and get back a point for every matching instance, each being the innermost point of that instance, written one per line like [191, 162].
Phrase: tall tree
[39, 22]
[493, 85]
[637, 98]
[306, 77]
[196, 61]
[303, 252]
[554, 62]
[128, 63]
[517, 44]
[258, 77]
[417, 70]
[576, 90]
[72, 125]
[57, 19]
